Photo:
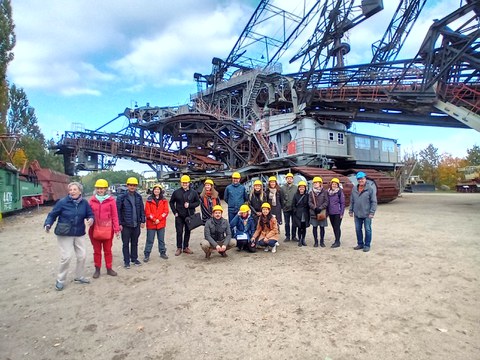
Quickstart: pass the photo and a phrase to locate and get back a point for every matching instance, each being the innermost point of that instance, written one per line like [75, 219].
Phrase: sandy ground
[414, 296]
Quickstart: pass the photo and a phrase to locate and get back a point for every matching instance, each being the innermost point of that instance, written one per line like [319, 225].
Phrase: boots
[111, 272]
[315, 244]
[322, 243]
[304, 243]
[335, 244]
[96, 274]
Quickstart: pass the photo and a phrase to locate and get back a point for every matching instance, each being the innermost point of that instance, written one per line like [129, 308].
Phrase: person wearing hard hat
[363, 204]
[218, 235]
[235, 196]
[105, 226]
[318, 202]
[156, 212]
[301, 211]
[289, 189]
[208, 199]
[266, 233]
[131, 215]
[256, 199]
[243, 227]
[183, 202]
[275, 198]
[336, 208]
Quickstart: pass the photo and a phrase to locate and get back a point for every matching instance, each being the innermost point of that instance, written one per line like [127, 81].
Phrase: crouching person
[218, 235]
[267, 230]
[243, 227]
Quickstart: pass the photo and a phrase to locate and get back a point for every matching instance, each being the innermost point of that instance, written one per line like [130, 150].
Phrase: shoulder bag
[322, 215]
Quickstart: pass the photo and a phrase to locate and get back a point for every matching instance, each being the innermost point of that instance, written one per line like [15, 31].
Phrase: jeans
[151, 239]
[289, 216]
[180, 227]
[270, 243]
[130, 243]
[359, 223]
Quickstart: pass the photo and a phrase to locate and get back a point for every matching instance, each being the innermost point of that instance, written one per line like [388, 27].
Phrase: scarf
[272, 196]
[265, 221]
[102, 198]
[77, 200]
[333, 191]
[208, 201]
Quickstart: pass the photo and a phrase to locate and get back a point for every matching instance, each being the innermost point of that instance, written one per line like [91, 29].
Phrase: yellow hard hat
[335, 180]
[244, 208]
[157, 186]
[217, 208]
[317, 179]
[289, 175]
[257, 182]
[236, 175]
[266, 205]
[132, 181]
[302, 183]
[101, 183]
[272, 178]
[208, 181]
[185, 179]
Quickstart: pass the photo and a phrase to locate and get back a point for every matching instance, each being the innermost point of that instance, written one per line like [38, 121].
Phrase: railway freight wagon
[16, 192]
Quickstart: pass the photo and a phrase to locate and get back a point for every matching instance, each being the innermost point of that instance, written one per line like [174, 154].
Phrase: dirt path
[414, 296]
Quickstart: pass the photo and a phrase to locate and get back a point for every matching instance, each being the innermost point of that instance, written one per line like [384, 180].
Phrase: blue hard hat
[361, 175]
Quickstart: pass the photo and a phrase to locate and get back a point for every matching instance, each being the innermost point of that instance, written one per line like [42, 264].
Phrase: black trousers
[130, 243]
[183, 234]
[336, 222]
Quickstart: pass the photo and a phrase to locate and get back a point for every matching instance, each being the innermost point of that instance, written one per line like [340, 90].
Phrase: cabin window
[388, 146]
[375, 144]
[362, 143]
[340, 139]
[330, 136]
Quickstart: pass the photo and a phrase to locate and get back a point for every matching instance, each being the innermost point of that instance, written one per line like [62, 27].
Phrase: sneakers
[358, 247]
[178, 252]
[146, 258]
[187, 251]
[164, 256]
[137, 263]
[58, 286]
[82, 280]
[295, 239]
[96, 274]
[366, 248]
[274, 248]
[111, 272]
[126, 265]
[266, 249]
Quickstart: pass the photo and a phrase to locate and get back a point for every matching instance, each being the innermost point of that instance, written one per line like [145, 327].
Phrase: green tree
[7, 43]
[473, 155]
[428, 161]
[448, 170]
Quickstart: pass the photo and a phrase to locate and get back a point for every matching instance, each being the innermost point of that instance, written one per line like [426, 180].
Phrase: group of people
[254, 219]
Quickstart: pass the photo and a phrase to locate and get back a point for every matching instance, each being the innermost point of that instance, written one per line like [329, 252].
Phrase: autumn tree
[7, 43]
[428, 161]
[448, 170]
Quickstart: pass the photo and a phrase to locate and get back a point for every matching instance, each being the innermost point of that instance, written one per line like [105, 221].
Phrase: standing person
[301, 212]
[318, 201]
[243, 227]
[156, 212]
[104, 209]
[235, 196]
[218, 235]
[131, 215]
[208, 199]
[267, 230]
[363, 205]
[256, 199]
[275, 198]
[71, 211]
[289, 190]
[335, 209]
[183, 202]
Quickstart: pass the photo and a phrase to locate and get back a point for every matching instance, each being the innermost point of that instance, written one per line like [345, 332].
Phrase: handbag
[102, 230]
[193, 221]
[62, 229]
[322, 215]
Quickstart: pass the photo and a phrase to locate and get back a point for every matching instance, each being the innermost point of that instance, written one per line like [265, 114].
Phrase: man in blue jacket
[235, 196]
[363, 204]
[131, 216]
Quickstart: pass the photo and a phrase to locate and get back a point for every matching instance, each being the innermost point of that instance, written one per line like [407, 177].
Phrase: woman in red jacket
[106, 224]
[156, 211]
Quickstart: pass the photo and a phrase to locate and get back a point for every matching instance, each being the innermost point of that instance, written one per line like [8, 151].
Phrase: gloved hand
[318, 210]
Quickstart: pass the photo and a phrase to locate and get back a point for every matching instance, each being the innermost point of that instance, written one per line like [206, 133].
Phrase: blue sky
[85, 61]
